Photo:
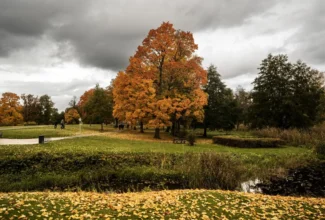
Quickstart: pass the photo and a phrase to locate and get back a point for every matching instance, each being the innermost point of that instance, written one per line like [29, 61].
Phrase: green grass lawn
[133, 160]
[21, 132]
[105, 144]
[91, 162]
[183, 204]
[34, 132]
[25, 132]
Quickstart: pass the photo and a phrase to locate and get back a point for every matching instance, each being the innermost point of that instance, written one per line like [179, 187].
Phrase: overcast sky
[62, 48]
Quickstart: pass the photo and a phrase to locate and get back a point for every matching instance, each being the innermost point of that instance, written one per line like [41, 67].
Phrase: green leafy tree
[286, 95]
[243, 100]
[221, 110]
[30, 107]
[55, 116]
[45, 109]
[99, 106]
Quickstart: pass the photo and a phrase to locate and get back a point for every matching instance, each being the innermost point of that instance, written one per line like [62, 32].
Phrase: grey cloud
[61, 93]
[105, 33]
[310, 39]
[10, 43]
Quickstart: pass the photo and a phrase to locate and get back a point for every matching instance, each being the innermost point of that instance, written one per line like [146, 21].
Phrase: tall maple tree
[10, 109]
[166, 65]
[133, 98]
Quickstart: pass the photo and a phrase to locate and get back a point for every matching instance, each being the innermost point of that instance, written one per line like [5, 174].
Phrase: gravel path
[6, 141]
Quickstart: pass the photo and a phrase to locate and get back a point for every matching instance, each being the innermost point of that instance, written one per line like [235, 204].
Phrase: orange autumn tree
[10, 109]
[72, 116]
[166, 61]
[82, 102]
[133, 99]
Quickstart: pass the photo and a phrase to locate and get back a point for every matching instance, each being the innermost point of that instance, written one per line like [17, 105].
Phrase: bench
[121, 126]
[179, 140]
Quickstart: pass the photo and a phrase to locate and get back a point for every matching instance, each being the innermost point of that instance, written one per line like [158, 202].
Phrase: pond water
[249, 186]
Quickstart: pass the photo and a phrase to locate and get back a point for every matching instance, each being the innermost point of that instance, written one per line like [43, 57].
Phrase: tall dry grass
[307, 137]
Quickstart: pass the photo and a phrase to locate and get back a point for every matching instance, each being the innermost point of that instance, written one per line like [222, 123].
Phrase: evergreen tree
[221, 110]
[286, 95]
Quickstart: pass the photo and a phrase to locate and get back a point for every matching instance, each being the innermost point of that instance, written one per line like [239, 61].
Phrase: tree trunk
[205, 132]
[135, 128]
[237, 126]
[205, 128]
[173, 129]
[116, 123]
[102, 127]
[157, 133]
[167, 129]
[141, 127]
[178, 127]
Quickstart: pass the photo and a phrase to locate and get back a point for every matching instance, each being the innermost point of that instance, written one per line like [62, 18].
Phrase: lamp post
[80, 124]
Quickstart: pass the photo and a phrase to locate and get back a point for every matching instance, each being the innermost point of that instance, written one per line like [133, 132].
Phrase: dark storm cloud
[105, 33]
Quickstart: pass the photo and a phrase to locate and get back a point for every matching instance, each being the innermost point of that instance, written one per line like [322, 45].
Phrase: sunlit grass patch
[34, 132]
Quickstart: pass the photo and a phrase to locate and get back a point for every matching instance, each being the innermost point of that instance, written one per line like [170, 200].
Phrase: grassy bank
[184, 204]
[105, 163]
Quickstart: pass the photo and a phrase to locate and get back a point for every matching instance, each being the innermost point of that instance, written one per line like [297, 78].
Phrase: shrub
[212, 170]
[319, 149]
[182, 134]
[247, 142]
[308, 137]
[30, 123]
[191, 138]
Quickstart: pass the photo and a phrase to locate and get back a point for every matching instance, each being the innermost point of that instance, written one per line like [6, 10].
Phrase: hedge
[247, 142]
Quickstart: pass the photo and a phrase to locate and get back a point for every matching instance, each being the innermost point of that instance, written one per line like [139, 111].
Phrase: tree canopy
[286, 95]
[72, 116]
[221, 110]
[162, 84]
[10, 109]
[98, 107]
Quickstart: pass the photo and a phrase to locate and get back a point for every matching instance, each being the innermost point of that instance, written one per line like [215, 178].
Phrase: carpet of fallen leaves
[178, 204]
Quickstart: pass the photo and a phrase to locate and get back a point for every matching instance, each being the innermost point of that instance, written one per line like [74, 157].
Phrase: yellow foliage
[71, 116]
[176, 204]
[10, 109]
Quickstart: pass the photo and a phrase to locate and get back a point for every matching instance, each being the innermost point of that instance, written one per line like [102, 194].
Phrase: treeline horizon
[226, 108]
